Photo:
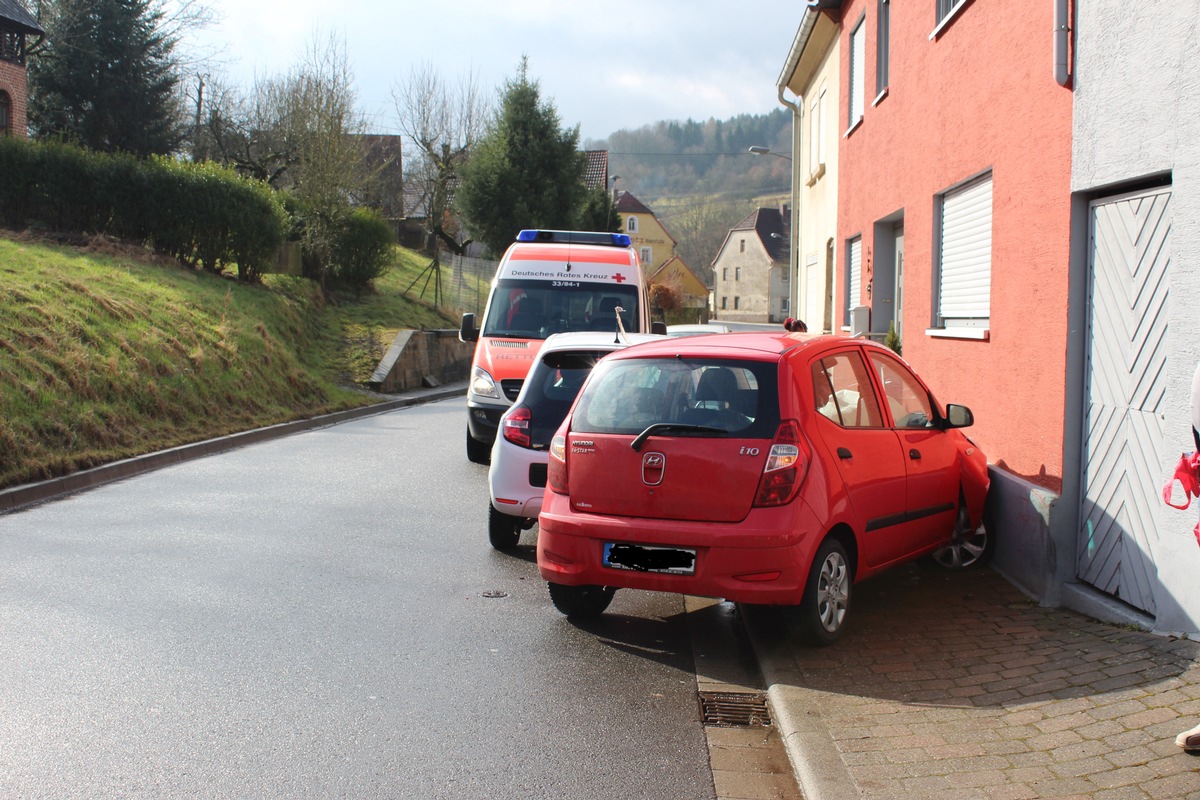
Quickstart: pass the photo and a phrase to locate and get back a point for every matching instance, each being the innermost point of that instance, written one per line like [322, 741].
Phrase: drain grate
[734, 709]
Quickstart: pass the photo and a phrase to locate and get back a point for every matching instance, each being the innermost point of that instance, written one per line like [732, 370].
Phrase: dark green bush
[16, 187]
[363, 249]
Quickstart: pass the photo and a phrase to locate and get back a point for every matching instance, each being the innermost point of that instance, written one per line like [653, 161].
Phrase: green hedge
[363, 250]
[202, 214]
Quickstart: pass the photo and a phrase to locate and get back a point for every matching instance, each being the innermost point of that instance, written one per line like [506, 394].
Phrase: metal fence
[459, 285]
[470, 281]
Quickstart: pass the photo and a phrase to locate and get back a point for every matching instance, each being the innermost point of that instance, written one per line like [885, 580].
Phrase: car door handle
[914, 454]
[844, 453]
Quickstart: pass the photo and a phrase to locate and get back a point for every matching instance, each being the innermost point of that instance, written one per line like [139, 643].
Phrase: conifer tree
[525, 172]
[106, 77]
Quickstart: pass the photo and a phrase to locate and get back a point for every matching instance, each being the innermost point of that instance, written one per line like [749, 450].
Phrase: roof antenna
[620, 331]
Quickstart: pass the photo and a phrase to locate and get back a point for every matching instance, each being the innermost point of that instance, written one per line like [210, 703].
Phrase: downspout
[807, 23]
[799, 294]
[1062, 41]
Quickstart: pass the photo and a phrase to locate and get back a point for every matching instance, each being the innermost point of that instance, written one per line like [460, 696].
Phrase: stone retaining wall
[419, 359]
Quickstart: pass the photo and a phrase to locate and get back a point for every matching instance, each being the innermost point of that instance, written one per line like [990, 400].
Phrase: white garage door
[1123, 438]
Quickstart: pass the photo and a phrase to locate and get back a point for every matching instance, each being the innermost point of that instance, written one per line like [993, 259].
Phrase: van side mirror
[959, 416]
[659, 328]
[468, 332]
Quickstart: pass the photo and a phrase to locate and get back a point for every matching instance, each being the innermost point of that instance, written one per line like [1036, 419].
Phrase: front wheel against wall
[970, 547]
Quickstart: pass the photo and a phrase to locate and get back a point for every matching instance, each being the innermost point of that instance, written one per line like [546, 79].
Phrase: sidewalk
[956, 686]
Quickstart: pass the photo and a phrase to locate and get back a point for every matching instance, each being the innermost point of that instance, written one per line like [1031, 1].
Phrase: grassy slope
[106, 355]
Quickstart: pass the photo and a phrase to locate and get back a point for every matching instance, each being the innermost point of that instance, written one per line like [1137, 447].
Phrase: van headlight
[482, 384]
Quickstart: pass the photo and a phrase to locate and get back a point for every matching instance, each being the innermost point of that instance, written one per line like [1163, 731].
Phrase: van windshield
[534, 309]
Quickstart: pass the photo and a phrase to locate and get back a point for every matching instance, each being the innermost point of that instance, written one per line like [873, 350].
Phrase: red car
[776, 468]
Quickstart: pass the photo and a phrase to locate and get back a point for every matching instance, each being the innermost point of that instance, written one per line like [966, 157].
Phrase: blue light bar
[576, 237]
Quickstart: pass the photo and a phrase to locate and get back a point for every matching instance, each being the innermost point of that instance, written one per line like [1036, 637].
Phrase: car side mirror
[659, 328]
[959, 416]
[468, 332]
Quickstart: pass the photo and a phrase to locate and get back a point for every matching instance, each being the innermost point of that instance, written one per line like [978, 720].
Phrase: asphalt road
[310, 617]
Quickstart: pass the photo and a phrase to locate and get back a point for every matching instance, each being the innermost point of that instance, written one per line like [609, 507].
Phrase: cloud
[605, 68]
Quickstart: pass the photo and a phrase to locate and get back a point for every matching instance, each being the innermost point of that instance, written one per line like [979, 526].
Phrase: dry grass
[107, 352]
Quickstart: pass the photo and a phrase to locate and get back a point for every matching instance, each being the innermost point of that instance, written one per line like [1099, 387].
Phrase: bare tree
[701, 225]
[301, 132]
[443, 123]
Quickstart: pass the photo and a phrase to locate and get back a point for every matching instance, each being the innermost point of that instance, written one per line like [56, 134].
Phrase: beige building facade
[751, 280]
[812, 74]
[654, 245]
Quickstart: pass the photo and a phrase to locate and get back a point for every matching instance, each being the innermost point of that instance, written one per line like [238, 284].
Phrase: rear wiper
[637, 443]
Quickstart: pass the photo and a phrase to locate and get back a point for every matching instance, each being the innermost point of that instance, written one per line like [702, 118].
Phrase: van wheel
[581, 602]
[969, 548]
[503, 530]
[826, 602]
[477, 452]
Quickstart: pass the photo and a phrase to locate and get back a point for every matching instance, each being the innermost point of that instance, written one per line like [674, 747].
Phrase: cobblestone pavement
[956, 686]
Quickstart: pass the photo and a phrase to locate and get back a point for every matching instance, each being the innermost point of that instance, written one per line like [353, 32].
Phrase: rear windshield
[704, 397]
[533, 309]
[551, 388]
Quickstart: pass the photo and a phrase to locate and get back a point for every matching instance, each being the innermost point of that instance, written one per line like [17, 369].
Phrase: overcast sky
[606, 66]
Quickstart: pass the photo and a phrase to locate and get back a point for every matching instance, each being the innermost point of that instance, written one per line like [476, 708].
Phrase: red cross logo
[619, 277]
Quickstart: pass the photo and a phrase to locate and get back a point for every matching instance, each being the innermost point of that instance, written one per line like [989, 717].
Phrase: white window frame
[853, 277]
[816, 137]
[647, 255]
[945, 12]
[631, 224]
[946, 8]
[857, 99]
[962, 276]
[883, 44]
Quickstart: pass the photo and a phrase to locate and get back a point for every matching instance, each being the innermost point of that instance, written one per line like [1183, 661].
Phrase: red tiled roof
[595, 175]
[628, 204]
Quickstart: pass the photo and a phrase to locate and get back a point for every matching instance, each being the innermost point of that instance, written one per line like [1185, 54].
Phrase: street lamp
[759, 150]
[793, 223]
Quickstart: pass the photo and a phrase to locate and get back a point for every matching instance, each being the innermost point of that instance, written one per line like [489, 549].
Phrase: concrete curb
[19, 497]
[796, 711]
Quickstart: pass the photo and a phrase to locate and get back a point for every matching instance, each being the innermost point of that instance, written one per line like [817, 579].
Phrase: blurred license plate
[643, 558]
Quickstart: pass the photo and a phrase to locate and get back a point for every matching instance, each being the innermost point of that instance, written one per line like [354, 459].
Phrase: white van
[547, 282]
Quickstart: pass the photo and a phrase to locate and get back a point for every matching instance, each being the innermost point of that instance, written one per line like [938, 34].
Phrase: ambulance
[547, 282]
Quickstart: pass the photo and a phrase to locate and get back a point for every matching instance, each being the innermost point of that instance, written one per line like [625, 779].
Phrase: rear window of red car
[728, 396]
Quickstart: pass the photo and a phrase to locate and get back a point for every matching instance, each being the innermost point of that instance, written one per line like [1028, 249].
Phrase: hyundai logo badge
[653, 466]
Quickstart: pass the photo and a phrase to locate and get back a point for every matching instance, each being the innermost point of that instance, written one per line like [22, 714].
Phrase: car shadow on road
[523, 552]
[661, 639]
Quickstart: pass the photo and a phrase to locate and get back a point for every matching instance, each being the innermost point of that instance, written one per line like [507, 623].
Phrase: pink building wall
[981, 95]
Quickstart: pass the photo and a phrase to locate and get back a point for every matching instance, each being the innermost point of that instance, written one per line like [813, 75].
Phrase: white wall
[1136, 116]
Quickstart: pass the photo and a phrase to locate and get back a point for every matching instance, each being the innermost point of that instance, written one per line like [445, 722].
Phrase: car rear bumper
[528, 508]
[741, 562]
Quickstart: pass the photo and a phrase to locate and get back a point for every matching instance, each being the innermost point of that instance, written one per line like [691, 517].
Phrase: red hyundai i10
[775, 468]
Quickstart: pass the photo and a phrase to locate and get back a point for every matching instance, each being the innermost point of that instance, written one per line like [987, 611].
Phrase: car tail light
[786, 467]
[515, 426]
[556, 467]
